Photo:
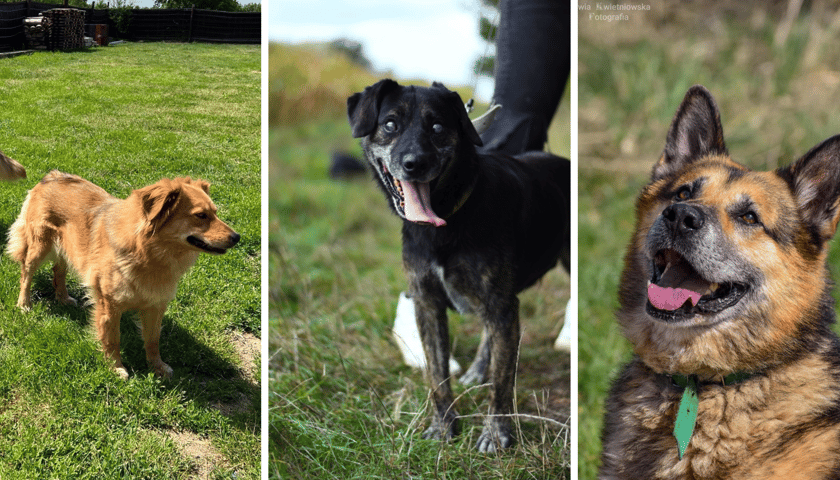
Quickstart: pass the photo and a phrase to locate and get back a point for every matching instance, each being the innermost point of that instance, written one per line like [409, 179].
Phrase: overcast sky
[426, 39]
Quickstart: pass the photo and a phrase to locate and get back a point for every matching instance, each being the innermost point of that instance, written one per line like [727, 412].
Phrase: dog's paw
[68, 300]
[494, 437]
[442, 430]
[163, 370]
[121, 372]
[475, 375]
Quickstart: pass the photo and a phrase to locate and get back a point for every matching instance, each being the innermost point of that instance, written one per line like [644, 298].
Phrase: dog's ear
[363, 107]
[457, 105]
[815, 181]
[202, 184]
[695, 133]
[159, 200]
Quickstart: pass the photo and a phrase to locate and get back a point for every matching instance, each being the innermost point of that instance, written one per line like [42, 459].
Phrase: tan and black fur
[129, 253]
[493, 226]
[756, 244]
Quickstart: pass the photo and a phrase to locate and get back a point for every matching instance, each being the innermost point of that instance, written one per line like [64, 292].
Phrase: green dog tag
[686, 415]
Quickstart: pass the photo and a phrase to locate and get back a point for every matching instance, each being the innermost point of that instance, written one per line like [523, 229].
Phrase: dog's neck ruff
[689, 403]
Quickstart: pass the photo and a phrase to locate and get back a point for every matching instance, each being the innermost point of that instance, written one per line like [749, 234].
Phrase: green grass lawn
[774, 107]
[123, 117]
[342, 405]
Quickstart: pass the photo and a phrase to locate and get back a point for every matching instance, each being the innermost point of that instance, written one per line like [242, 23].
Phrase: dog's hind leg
[477, 373]
[151, 320]
[34, 253]
[107, 320]
[503, 336]
[60, 282]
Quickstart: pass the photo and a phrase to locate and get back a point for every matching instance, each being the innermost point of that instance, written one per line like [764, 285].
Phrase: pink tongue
[418, 204]
[667, 298]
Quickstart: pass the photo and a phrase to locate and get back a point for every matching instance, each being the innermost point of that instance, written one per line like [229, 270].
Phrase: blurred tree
[223, 5]
[485, 65]
[353, 50]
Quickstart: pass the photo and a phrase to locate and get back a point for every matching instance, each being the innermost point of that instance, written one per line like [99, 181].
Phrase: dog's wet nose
[683, 218]
[234, 238]
[414, 164]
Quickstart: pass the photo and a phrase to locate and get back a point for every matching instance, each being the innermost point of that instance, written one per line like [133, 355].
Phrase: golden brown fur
[129, 253]
[759, 242]
[10, 169]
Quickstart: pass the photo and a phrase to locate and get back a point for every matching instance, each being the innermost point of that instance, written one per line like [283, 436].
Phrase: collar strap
[731, 379]
[445, 177]
[460, 203]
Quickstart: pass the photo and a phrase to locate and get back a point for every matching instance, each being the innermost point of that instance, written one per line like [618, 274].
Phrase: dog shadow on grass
[203, 375]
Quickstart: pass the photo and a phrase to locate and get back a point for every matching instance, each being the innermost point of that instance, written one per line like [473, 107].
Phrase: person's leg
[532, 68]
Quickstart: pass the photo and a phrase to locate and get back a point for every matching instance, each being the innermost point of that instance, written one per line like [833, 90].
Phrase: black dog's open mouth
[412, 200]
[393, 186]
[201, 244]
[677, 291]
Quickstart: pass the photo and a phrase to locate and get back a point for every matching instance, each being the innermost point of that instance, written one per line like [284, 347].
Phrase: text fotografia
[611, 12]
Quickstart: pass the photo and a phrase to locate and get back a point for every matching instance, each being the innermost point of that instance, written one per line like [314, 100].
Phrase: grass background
[124, 117]
[342, 405]
[776, 83]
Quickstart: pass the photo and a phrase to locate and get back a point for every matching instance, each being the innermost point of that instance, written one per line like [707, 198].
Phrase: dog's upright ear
[159, 200]
[363, 107]
[457, 106]
[695, 133]
[815, 182]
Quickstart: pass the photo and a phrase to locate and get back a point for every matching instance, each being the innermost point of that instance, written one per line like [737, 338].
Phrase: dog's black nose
[683, 218]
[414, 164]
[234, 238]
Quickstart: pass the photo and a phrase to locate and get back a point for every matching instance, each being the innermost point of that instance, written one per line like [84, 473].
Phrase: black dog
[478, 229]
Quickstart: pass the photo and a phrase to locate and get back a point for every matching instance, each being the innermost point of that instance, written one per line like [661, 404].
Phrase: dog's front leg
[151, 320]
[107, 319]
[430, 307]
[502, 328]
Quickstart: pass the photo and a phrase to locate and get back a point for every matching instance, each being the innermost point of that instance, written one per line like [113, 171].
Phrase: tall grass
[124, 117]
[342, 405]
[772, 97]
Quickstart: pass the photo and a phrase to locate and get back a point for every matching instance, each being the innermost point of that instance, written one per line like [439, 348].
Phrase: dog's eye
[390, 126]
[683, 194]
[750, 218]
[201, 216]
[437, 128]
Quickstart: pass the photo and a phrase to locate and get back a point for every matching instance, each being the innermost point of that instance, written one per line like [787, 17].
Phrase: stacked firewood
[67, 29]
[37, 31]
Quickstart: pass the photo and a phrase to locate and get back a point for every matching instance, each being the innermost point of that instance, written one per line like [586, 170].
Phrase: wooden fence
[154, 24]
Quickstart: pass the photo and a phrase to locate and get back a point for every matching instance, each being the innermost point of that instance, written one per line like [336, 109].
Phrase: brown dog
[129, 253]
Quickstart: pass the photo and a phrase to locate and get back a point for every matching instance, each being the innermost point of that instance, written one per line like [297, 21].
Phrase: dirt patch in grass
[247, 347]
[199, 451]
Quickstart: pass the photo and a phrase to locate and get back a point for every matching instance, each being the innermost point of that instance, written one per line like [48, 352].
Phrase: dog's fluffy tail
[16, 245]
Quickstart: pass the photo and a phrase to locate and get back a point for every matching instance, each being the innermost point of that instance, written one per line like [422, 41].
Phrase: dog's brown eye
[749, 218]
[201, 216]
[683, 194]
[390, 126]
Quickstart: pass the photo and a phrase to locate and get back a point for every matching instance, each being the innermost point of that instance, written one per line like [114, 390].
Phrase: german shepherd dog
[129, 253]
[726, 298]
[477, 229]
